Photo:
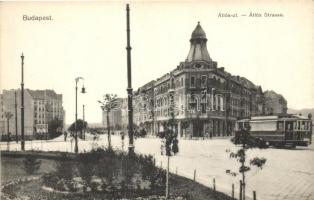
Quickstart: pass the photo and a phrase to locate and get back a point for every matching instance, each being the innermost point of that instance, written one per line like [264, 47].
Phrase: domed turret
[198, 50]
[198, 33]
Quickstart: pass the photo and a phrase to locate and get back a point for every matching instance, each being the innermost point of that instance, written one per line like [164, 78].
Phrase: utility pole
[83, 122]
[15, 106]
[75, 136]
[75, 123]
[22, 106]
[129, 89]
[167, 178]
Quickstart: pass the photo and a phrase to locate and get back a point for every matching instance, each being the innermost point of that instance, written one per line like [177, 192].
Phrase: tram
[279, 130]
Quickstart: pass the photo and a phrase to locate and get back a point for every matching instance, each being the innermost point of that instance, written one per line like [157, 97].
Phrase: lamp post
[75, 126]
[83, 122]
[129, 89]
[15, 106]
[22, 106]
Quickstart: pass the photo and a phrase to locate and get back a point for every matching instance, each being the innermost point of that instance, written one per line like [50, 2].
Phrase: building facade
[40, 108]
[200, 97]
[275, 103]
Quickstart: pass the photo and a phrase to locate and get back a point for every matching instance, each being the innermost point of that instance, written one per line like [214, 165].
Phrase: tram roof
[287, 117]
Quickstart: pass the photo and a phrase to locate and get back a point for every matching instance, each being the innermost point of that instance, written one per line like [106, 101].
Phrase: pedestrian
[175, 147]
[122, 139]
[71, 142]
[65, 136]
[9, 139]
[135, 134]
[162, 146]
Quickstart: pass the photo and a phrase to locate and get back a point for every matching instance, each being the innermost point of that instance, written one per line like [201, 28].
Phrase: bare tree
[109, 102]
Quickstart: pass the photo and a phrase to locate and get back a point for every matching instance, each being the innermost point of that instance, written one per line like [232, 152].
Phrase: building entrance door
[198, 128]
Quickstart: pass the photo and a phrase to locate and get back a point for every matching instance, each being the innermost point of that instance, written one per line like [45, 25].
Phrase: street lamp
[15, 106]
[129, 89]
[22, 106]
[83, 122]
[83, 91]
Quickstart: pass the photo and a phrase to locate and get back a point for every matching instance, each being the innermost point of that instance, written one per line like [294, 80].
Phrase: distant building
[41, 107]
[2, 116]
[275, 103]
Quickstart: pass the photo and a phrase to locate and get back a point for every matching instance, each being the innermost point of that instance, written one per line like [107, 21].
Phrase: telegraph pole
[15, 106]
[22, 106]
[129, 89]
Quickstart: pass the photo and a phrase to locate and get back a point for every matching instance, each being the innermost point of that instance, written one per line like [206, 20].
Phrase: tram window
[246, 125]
[306, 125]
[280, 125]
[290, 126]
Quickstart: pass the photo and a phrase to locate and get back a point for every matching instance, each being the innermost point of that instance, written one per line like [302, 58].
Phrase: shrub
[31, 164]
[50, 180]
[119, 173]
[65, 169]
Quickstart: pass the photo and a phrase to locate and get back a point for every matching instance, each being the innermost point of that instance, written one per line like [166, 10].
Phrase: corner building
[203, 99]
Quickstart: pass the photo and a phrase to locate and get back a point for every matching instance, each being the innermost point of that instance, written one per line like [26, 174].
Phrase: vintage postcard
[157, 100]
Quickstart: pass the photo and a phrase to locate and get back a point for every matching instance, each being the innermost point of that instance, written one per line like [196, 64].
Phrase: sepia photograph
[157, 100]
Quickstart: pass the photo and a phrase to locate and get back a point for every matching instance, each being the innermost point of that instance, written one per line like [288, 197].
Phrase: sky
[88, 39]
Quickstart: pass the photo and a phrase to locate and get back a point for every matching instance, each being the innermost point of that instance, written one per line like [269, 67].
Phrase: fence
[50, 145]
[232, 193]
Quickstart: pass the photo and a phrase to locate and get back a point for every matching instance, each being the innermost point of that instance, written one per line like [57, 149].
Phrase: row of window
[203, 81]
[208, 102]
[43, 102]
[166, 86]
[39, 121]
[42, 113]
[297, 125]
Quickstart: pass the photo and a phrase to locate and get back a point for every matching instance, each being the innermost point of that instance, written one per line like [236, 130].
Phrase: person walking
[65, 136]
[9, 139]
[162, 146]
[122, 140]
